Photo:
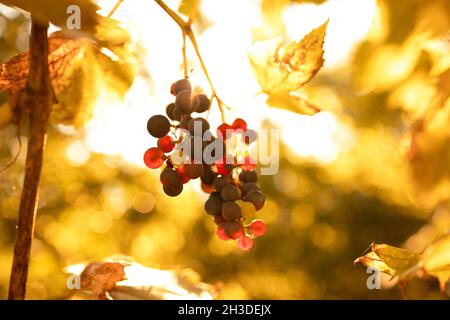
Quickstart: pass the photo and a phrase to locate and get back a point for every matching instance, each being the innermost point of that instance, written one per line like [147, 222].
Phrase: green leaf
[56, 11]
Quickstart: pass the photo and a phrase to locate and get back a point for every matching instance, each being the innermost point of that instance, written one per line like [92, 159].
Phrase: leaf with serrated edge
[284, 69]
[396, 258]
[79, 71]
[391, 260]
[372, 260]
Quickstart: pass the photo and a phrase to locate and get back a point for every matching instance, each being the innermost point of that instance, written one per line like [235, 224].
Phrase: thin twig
[186, 29]
[37, 98]
[116, 6]
[185, 62]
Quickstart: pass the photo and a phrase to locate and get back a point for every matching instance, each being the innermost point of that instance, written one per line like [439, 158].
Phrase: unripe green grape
[247, 209]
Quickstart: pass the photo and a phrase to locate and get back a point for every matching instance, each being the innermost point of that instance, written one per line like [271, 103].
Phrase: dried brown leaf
[101, 277]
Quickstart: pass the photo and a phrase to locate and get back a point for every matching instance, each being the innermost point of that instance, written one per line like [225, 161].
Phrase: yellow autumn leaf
[281, 69]
[436, 260]
[292, 102]
[389, 259]
[80, 71]
[56, 11]
[189, 7]
[373, 260]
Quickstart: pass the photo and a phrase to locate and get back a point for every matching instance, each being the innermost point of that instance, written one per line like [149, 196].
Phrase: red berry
[239, 124]
[225, 165]
[224, 131]
[257, 228]
[249, 164]
[233, 229]
[182, 173]
[166, 144]
[221, 233]
[153, 158]
[245, 243]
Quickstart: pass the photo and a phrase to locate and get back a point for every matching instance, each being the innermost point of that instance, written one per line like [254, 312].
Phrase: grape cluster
[184, 140]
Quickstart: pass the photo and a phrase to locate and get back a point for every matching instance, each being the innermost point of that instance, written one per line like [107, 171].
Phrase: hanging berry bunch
[187, 150]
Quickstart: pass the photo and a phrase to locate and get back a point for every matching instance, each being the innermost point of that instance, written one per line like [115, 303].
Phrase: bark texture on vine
[36, 101]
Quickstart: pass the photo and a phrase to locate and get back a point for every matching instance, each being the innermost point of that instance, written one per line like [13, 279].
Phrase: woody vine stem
[36, 100]
[186, 29]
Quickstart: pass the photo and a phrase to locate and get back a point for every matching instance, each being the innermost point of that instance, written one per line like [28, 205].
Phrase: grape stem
[116, 6]
[186, 30]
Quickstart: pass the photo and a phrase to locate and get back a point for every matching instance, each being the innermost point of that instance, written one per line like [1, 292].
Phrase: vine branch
[36, 99]
[186, 29]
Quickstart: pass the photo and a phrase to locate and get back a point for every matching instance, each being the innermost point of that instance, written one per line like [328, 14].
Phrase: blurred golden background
[361, 171]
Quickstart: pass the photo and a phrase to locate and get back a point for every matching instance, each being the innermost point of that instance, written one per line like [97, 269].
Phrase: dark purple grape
[169, 176]
[158, 126]
[193, 170]
[198, 126]
[220, 182]
[247, 187]
[207, 176]
[183, 101]
[169, 111]
[181, 85]
[184, 124]
[233, 229]
[195, 149]
[257, 198]
[203, 103]
[176, 114]
[231, 211]
[173, 190]
[213, 205]
[230, 193]
[248, 176]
